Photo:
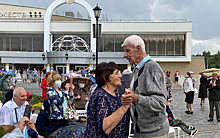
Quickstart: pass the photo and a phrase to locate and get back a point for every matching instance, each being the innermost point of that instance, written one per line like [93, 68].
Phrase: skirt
[176, 78]
[189, 97]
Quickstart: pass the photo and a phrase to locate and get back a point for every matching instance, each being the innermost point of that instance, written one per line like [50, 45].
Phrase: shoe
[191, 128]
[218, 120]
[193, 133]
[187, 112]
[201, 104]
[190, 113]
[210, 119]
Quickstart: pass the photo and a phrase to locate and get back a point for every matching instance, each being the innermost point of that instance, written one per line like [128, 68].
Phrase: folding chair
[172, 130]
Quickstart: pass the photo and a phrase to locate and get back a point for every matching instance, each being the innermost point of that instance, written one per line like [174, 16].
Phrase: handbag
[71, 115]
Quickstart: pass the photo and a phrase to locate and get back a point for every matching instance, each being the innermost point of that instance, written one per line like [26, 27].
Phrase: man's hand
[67, 86]
[133, 95]
[23, 122]
[210, 82]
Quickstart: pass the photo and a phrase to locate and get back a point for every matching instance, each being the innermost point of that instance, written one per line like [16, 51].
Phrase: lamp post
[43, 56]
[97, 11]
[66, 55]
[208, 62]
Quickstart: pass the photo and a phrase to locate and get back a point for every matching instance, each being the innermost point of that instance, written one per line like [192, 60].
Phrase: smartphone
[15, 81]
[27, 111]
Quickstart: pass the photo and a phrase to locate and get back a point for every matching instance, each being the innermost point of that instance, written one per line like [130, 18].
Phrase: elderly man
[213, 86]
[13, 110]
[148, 91]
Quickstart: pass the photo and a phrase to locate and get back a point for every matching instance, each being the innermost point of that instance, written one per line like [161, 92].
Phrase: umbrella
[3, 71]
[7, 73]
[208, 72]
[75, 80]
[76, 130]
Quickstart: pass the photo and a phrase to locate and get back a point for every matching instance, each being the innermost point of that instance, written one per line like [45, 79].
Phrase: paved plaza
[198, 118]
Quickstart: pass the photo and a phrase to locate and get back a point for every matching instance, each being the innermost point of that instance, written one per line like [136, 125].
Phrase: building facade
[39, 38]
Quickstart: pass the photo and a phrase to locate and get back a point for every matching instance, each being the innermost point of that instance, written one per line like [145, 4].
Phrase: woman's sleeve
[54, 98]
[103, 111]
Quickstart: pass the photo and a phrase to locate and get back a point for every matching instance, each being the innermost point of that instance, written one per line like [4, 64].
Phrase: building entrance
[61, 69]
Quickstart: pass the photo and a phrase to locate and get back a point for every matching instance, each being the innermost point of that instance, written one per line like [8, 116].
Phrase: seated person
[13, 110]
[18, 131]
[29, 98]
[43, 123]
[179, 123]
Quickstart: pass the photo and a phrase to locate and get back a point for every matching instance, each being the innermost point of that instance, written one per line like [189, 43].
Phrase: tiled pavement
[198, 118]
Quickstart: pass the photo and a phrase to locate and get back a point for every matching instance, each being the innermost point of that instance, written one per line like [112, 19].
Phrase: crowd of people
[142, 95]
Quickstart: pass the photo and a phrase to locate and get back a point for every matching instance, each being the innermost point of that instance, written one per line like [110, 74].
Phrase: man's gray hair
[134, 41]
[126, 71]
[16, 91]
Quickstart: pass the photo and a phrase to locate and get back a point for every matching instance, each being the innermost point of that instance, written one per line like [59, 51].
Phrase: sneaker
[191, 128]
[193, 133]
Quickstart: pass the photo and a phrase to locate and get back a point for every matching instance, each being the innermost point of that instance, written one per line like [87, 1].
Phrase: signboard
[19, 14]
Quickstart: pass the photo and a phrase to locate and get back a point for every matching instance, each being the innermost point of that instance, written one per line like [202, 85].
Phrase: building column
[129, 66]
[48, 67]
[7, 66]
[51, 66]
[67, 68]
[13, 66]
[90, 66]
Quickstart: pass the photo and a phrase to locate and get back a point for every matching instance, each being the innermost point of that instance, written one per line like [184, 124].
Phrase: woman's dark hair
[7, 76]
[188, 74]
[30, 97]
[103, 71]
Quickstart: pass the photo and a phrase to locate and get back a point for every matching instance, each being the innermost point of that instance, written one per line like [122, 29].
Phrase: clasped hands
[211, 83]
[128, 97]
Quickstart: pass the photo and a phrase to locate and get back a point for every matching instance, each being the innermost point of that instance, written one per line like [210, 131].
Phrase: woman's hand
[86, 99]
[47, 88]
[67, 86]
[14, 84]
[126, 101]
[72, 87]
[77, 97]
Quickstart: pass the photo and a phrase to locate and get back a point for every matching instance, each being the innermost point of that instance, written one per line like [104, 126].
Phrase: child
[178, 122]
[29, 98]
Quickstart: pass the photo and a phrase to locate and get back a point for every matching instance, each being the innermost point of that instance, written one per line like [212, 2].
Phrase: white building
[27, 33]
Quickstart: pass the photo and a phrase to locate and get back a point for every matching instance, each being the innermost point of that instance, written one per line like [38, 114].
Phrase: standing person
[189, 91]
[57, 98]
[107, 116]
[34, 73]
[177, 77]
[168, 84]
[213, 86]
[44, 86]
[81, 95]
[83, 72]
[202, 89]
[28, 72]
[125, 81]
[43, 73]
[148, 90]
[25, 75]
[6, 86]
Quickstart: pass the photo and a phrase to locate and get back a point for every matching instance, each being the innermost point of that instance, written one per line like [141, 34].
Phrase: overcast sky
[204, 15]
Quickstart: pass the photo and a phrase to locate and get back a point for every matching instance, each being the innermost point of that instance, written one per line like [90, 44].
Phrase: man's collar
[142, 62]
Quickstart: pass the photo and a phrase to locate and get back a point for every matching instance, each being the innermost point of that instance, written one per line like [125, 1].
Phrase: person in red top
[44, 86]
[177, 76]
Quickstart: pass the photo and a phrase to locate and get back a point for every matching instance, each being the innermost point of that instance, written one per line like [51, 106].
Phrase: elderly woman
[6, 86]
[106, 115]
[189, 91]
[80, 95]
[57, 99]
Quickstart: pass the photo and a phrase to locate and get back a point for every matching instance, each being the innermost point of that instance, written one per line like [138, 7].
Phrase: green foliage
[213, 60]
[2, 132]
[36, 99]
